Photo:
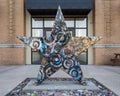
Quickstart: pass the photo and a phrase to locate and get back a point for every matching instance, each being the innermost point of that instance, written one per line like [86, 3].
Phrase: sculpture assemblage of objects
[60, 51]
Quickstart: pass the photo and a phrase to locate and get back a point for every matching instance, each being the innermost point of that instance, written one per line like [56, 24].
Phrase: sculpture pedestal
[60, 84]
[60, 87]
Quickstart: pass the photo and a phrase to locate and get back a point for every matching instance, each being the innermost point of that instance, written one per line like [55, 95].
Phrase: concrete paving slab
[11, 76]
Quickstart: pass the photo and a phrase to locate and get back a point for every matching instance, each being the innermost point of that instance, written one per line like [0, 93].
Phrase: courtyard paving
[11, 76]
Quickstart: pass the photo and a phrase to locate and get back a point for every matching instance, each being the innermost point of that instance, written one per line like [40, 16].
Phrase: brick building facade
[102, 20]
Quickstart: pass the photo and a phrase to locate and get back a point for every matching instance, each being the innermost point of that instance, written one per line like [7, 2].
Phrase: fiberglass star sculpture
[60, 51]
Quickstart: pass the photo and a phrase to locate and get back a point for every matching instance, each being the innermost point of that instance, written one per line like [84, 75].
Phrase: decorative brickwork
[107, 20]
[106, 25]
[11, 26]
[11, 16]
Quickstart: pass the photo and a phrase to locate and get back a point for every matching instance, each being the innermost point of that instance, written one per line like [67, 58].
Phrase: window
[48, 22]
[80, 32]
[37, 32]
[37, 23]
[43, 26]
[48, 34]
[69, 22]
[81, 23]
[81, 27]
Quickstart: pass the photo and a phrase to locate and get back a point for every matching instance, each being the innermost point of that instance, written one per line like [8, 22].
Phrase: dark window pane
[36, 58]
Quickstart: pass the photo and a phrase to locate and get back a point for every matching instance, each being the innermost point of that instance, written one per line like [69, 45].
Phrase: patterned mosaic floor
[23, 89]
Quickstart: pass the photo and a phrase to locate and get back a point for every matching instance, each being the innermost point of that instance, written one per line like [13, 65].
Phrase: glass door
[81, 30]
[37, 31]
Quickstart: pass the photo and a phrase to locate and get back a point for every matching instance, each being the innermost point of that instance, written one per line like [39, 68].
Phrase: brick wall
[107, 25]
[11, 26]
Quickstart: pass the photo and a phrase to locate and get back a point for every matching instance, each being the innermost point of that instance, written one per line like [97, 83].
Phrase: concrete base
[60, 85]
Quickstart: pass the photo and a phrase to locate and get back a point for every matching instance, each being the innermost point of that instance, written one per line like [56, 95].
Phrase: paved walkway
[11, 76]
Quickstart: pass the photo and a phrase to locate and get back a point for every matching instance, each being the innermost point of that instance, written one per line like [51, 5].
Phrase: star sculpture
[60, 51]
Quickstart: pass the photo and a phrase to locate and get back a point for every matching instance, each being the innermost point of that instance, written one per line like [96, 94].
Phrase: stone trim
[106, 46]
[95, 46]
[12, 46]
